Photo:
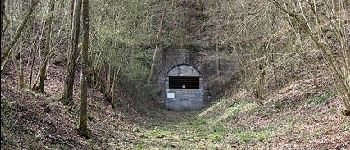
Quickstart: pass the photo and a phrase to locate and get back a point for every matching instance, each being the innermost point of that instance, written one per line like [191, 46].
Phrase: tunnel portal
[184, 88]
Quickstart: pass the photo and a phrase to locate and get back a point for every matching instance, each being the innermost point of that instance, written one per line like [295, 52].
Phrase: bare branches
[7, 49]
[338, 62]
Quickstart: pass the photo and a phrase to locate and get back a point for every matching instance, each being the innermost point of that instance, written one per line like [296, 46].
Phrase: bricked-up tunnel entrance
[183, 78]
[184, 89]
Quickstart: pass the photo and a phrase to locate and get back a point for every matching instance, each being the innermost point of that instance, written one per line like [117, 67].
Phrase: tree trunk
[71, 17]
[2, 14]
[47, 51]
[260, 84]
[67, 96]
[7, 49]
[217, 59]
[7, 21]
[114, 83]
[151, 72]
[108, 82]
[84, 69]
[19, 69]
[32, 55]
[95, 71]
[150, 76]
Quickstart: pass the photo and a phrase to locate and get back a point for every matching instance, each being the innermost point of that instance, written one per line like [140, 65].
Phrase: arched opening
[183, 77]
[184, 90]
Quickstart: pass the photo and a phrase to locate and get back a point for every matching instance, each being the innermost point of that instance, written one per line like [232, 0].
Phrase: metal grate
[183, 82]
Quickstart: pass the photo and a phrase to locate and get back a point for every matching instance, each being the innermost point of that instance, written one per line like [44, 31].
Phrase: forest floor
[299, 116]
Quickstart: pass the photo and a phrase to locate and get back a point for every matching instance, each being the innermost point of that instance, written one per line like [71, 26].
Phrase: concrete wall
[167, 60]
[183, 70]
[184, 99]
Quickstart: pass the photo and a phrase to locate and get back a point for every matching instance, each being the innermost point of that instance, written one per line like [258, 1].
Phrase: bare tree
[84, 69]
[67, 96]
[155, 53]
[18, 32]
[2, 14]
[113, 87]
[329, 34]
[39, 86]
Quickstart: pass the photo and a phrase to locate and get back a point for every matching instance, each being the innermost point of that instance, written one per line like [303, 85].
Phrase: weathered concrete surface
[184, 99]
[183, 70]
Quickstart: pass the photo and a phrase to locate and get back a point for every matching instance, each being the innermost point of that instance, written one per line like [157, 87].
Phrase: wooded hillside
[80, 74]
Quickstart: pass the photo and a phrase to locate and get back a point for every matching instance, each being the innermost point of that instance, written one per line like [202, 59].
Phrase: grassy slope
[240, 123]
[298, 116]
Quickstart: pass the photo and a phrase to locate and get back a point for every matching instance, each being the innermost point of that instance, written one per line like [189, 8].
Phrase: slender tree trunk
[260, 84]
[7, 21]
[155, 53]
[32, 55]
[108, 82]
[97, 77]
[94, 71]
[217, 62]
[67, 96]
[32, 65]
[71, 17]
[19, 69]
[114, 83]
[2, 14]
[47, 51]
[84, 69]
[18, 32]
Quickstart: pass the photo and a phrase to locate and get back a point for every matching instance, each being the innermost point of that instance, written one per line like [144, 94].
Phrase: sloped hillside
[298, 116]
[40, 121]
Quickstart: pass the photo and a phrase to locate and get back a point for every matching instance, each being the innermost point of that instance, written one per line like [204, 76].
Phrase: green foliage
[6, 110]
[157, 133]
[205, 128]
[140, 146]
[237, 106]
[216, 133]
[333, 110]
[250, 135]
[5, 107]
[320, 99]
[233, 110]
[198, 122]
[345, 126]
[256, 109]
[278, 104]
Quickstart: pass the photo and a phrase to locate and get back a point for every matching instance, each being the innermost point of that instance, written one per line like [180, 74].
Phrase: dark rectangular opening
[179, 82]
